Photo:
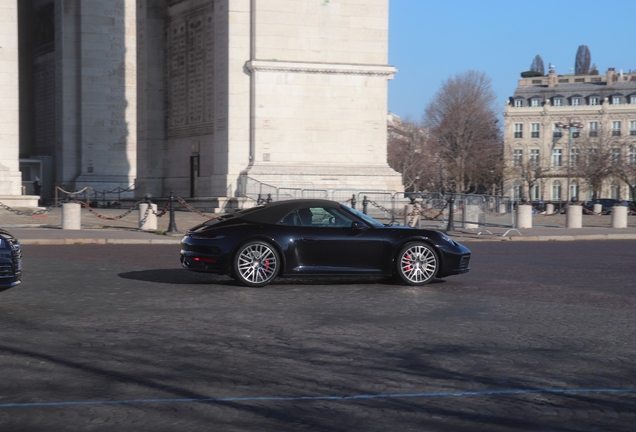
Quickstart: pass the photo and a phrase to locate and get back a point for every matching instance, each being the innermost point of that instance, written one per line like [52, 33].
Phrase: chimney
[552, 78]
[612, 76]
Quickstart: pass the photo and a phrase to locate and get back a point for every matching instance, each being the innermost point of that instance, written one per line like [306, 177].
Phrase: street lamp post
[571, 126]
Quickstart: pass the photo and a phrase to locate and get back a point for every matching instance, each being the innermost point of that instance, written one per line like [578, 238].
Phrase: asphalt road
[538, 336]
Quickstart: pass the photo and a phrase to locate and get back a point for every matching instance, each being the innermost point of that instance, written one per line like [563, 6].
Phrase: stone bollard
[408, 209]
[619, 216]
[150, 224]
[598, 209]
[71, 216]
[549, 209]
[470, 214]
[574, 216]
[524, 216]
[502, 208]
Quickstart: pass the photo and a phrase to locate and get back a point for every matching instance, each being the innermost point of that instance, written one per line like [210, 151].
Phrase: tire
[256, 264]
[417, 263]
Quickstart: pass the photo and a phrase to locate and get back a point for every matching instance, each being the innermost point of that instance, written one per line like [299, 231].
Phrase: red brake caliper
[408, 263]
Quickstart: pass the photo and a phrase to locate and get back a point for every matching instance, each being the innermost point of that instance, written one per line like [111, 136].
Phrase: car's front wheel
[256, 263]
[417, 263]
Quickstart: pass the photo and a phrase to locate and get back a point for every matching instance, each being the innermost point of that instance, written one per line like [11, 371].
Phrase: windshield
[366, 218]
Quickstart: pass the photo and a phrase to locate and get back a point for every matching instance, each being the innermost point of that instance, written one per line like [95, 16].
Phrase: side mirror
[355, 225]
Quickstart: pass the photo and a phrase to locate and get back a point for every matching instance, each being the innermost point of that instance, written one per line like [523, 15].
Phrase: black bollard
[353, 201]
[451, 215]
[172, 226]
[269, 198]
[365, 204]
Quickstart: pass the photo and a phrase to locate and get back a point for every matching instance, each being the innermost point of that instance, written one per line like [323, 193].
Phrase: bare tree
[582, 62]
[463, 128]
[537, 65]
[594, 159]
[407, 152]
[625, 170]
[523, 167]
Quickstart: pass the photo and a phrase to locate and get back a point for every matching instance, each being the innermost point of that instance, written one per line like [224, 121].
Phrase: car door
[328, 244]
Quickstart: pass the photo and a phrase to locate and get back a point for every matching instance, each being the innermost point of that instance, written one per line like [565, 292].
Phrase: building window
[534, 158]
[593, 100]
[556, 157]
[631, 155]
[593, 129]
[517, 158]
[556, 190]
[592, 156]
[534, 192]
[556, 131]
[616, 156]
[517, 191]
[574, 157]
[518, 103]
[535, 103]
[632, 127]
[518, 130]
[535, 130]
[615, 191]
[632, 99]
[616, 128]
[574, 190]
[558, 102]
[616, 100]
[576, 101]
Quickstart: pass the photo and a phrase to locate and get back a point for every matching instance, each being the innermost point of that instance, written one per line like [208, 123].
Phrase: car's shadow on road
[185, 277]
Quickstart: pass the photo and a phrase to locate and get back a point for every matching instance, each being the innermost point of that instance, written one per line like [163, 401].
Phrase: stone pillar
[147, 222]
[549, 209]
[574, 216]
[97, 64]
[71, 216]
[10, 177]
[502, 208]
[619, 217]
[408, 214]
[470, 215]
[524, 216]
[598, 209]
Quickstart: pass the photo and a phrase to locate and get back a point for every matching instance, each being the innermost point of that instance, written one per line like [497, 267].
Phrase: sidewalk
[46, 229]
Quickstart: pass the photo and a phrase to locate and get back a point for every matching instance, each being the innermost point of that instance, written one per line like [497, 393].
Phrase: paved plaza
[538, 336]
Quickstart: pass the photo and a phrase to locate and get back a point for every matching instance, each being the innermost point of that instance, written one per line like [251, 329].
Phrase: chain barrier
[104, 217]
[30, 213]
[189, 207]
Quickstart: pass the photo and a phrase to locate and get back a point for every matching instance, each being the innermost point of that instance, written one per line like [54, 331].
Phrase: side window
[291, 219]
[324, 217]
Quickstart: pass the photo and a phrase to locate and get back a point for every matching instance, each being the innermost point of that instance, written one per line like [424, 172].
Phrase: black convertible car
[10, 260]
[317, 238]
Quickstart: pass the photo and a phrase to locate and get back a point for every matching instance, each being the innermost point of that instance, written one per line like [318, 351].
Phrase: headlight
[444, 236]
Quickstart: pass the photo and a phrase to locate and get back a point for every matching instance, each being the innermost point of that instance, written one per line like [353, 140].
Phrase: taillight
[204, 259]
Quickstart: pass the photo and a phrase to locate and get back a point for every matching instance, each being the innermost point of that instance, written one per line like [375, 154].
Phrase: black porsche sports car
[10, 260]
[317, 238]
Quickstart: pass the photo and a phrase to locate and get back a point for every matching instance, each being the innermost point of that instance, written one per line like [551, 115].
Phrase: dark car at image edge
[317, 238]
[10, 261]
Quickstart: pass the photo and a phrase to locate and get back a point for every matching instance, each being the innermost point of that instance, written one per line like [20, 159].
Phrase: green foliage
[531, 74]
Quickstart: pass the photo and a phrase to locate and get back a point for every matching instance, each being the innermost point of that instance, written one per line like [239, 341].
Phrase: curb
[85, 241]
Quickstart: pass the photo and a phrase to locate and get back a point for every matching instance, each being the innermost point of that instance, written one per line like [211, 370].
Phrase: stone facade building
[554, 124]
[198, 97]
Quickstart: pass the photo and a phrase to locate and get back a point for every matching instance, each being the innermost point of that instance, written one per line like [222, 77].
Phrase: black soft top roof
[273, 212]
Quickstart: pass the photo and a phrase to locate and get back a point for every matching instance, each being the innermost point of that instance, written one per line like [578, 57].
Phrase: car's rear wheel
[417, 263]
[256, 263]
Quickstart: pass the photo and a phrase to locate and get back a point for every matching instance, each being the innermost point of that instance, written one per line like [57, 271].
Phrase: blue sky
[430, 41]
